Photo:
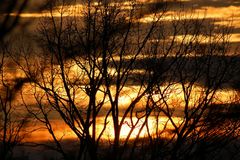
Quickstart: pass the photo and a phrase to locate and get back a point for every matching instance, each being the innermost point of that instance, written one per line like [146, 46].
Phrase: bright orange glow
[174, 97]
[61, 130]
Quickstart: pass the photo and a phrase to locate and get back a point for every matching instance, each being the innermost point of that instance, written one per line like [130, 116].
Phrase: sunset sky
[78, 73]
[220, 12]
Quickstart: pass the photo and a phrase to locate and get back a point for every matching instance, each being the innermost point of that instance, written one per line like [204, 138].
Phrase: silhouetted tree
[201, 68]
[12, 118]
[102, 52]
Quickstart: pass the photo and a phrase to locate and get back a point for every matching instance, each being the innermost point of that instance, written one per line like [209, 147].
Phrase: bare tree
[12, 118]
[201, 68]
[98, 43]
[91, 58]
